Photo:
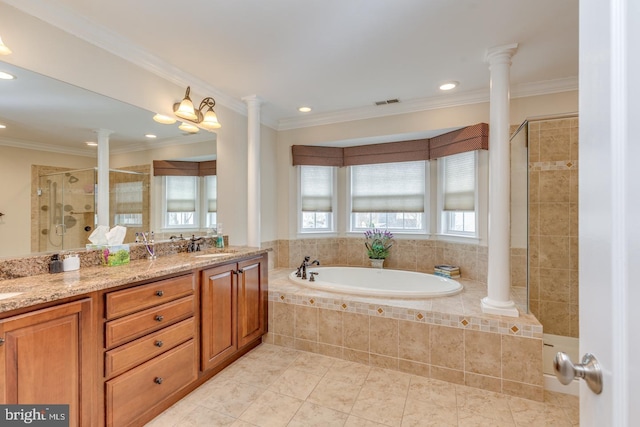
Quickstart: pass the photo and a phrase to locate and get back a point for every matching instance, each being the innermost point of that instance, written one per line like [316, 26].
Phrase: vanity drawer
[128, 328]
[132, 394]
[120, 303]
[125, 357]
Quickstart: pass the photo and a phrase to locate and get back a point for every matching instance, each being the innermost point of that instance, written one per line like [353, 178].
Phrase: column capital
[103, 133]
[252, 100]
[501, 53]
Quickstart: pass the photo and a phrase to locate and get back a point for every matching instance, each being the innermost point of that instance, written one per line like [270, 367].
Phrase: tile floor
[277, 386]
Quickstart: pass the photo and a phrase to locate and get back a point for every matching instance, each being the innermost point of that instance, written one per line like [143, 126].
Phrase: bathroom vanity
[122, 344]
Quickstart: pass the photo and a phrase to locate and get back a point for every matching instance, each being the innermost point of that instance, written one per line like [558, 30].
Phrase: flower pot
[376, 263]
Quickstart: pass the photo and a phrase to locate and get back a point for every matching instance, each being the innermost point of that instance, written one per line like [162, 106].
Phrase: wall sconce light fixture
[4, 50]
[185, 110]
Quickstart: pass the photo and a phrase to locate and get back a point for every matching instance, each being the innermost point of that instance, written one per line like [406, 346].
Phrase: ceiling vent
[388, 101]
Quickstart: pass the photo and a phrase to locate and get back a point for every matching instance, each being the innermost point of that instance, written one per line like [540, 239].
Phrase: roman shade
[459, 187]
[181, 168]
[380, 188]
[316, 188]
[317, 156]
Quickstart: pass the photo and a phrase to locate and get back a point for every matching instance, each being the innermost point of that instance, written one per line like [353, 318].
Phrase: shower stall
[544, 227]
[66, 207]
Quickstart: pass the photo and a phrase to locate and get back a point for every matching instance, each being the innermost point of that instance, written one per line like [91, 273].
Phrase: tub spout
[315, 262]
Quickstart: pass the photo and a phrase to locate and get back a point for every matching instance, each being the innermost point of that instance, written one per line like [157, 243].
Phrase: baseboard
[551, 383]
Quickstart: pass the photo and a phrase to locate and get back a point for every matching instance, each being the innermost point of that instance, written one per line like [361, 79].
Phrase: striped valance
[470, 138]
[181, 168]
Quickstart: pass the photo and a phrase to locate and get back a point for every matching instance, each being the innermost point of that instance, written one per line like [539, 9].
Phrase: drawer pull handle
[240, 271]
[158, 380]
[159, 318]
[159, 293]
[1, 341]
[159, 343]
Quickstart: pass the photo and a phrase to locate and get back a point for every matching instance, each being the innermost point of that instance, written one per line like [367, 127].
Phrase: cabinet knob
[1, 341]
[158, 380]
[159, 343]
[159, 293]
[159, 318]
[240, 271]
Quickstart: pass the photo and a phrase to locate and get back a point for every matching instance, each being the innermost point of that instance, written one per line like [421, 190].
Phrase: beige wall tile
[305, 345]
[554, 219]
[555, 317]
[306, 323]
[330, 327]
[355, 356]
[526, 391]
[415, 368]
[522, 359]
[555, 284]
[283, 319]
[448, 375]
[554, 186]
[330, 350]
[554, 252]
[413, 341]
[383, 361]
[284, 341]
[482, 353]
[555, 144]
[447, 347]
[483, 382]
[355, 330]
[383, 336]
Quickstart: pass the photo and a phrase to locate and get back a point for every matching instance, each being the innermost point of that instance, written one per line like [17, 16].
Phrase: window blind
[212, 193]
[459, 182]
[388, 187]
[181, 193]
[316, 184]
[128, 197]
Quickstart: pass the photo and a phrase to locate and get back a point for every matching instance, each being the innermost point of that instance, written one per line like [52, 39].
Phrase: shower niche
[64, 206]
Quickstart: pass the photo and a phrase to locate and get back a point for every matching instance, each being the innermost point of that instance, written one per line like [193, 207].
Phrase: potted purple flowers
[378, 243]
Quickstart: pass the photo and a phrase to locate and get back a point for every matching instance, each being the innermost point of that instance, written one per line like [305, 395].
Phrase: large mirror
[48, 172]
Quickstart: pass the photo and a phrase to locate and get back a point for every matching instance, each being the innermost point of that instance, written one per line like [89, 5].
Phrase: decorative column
[498, 299]
[253, 170]
[103, 176]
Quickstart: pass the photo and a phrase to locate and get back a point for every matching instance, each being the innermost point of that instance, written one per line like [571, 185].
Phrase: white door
[609, 165]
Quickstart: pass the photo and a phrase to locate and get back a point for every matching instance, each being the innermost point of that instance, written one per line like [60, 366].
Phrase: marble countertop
[33, 290]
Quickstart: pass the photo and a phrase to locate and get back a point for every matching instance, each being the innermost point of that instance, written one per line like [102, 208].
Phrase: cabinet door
[250, 300]
[47, 358]
[219, 317]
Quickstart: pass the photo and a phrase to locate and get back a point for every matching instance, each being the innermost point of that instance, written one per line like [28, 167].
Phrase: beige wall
[15, 192]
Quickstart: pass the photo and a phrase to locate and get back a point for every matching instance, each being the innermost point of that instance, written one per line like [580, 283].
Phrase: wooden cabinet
[48, 357]
[233, 300]
[151, 350]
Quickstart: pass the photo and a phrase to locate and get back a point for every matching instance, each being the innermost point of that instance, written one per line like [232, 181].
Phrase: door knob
[589, 370]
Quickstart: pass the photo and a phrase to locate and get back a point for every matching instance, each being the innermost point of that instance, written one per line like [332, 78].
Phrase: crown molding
[441, 101]
[41, 146]
[152, 145]
[97, 35]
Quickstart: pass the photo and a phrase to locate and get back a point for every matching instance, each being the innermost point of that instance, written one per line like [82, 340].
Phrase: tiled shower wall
[411, 255]
[553, 224]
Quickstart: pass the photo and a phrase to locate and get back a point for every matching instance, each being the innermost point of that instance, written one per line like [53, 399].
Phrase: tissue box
[114, 254]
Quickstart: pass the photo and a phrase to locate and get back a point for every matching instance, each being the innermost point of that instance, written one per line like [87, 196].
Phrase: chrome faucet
[302, 270]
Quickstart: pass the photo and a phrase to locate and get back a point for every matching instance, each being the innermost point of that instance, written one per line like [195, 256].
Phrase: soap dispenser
[55, 266]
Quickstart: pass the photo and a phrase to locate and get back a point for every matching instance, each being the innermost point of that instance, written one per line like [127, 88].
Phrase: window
[190, 201]
[389, 195]
[458, 188]
[317, 185]
[128, 203]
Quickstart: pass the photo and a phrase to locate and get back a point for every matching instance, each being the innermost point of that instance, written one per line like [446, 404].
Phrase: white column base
[501, 308]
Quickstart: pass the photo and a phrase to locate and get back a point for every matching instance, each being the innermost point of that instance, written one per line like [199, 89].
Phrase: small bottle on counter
[55, 266]
[219, 237]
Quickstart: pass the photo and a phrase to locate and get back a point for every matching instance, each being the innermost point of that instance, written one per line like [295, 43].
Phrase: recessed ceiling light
[165, 120]
[150, 136]
[448, 85]
[188, 128]
[3, 126]
[6, 76]
[304, 109]
[91, 143]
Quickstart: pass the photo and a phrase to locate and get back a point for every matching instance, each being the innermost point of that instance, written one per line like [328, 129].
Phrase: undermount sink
[216, 255]
[5, 295]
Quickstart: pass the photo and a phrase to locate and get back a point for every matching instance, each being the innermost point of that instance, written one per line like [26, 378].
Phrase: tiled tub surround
[446, 339]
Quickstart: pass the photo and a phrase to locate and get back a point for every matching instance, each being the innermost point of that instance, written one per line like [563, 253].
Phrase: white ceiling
[337, 56]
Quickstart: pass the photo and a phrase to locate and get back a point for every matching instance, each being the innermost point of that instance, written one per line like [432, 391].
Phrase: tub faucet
[302, 270]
